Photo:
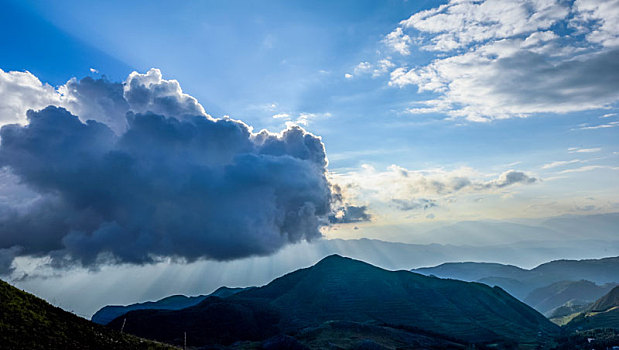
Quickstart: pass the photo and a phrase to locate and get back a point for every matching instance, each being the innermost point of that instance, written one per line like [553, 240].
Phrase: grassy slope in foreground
[27, 322]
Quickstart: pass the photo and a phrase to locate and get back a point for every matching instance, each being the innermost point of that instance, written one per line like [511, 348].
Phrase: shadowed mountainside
[343, 289]
[548, 298]
[608, 301]
[604, 313]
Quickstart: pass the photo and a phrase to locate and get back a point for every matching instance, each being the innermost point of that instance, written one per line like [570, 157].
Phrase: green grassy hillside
[604, 313]
[27, 322]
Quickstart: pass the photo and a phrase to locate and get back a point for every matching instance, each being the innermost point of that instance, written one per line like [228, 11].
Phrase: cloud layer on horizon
[408, 190]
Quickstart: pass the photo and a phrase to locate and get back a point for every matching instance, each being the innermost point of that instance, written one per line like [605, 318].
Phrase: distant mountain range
[522, 243]
[395, 255]
[340, 296]
[170, 279]
[536, 287]
[491, 233]
[545, 287]
[483, 233]
[27, 322]
[596, 270]
[174, 302]
[338, 303]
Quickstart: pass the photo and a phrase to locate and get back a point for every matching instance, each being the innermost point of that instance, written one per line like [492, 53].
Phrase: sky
[228, 130]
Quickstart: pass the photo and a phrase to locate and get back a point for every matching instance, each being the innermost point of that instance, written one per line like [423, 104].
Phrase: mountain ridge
[521, 282]
[336, 289]
[173, 302]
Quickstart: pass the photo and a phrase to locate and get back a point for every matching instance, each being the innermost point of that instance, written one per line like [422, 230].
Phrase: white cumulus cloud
[503, 59]
[398, 42]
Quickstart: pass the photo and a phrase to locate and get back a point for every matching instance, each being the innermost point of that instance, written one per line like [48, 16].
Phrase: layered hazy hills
[27, 322]
[347, 290]
[389, 255]
[564, 293]
[559, 229]
[604, 313]
[604, 270]
[174, 302]
[474, 271]
[544, 287]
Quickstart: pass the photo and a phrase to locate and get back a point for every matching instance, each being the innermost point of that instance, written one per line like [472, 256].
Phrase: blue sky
[441, 91]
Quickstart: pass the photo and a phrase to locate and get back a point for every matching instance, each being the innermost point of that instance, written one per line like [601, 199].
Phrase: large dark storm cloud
[191, 187]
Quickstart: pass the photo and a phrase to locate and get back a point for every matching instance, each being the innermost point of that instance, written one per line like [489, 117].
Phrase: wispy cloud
[601, 126]
[583, 150]
[303, 118]
[560, 163]
[358, 154]
[588, 168]
[281, 116]
[413, 204]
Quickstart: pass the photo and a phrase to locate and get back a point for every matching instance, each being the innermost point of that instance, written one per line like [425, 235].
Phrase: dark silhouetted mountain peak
[343, 289]
[341, 264]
